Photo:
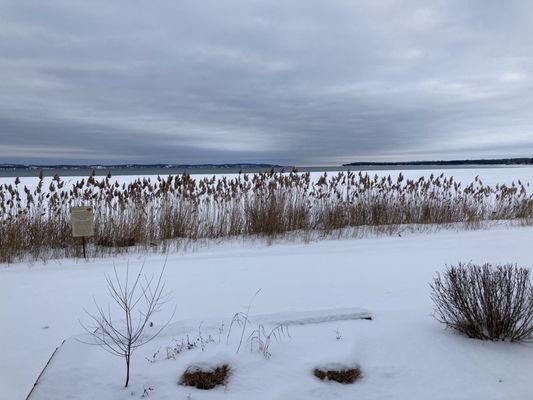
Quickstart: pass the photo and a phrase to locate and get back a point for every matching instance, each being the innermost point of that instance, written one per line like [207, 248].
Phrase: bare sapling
[121, 333]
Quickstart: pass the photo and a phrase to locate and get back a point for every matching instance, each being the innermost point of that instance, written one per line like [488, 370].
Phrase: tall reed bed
[35, 223]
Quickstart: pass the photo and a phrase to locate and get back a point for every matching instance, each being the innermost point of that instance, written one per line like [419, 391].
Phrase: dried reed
[35, 223]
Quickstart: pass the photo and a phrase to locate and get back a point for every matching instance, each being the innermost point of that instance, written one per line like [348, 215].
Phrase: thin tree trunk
[127, 370]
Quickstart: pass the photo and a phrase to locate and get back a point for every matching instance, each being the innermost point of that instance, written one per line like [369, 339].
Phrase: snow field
[403, 352]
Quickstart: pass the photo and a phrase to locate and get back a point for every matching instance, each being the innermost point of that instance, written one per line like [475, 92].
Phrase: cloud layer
[294, 82]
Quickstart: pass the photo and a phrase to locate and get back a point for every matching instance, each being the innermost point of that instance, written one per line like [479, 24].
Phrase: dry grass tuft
[338, 374]
[205, 378]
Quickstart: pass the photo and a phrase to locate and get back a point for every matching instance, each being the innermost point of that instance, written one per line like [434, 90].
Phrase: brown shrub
[338, 374]
[205, 377]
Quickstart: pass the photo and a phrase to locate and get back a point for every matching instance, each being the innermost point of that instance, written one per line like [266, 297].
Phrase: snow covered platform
[400, 357]
[207, 342]
[312, 317]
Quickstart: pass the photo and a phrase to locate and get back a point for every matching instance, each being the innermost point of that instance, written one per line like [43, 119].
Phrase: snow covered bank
[403, 352]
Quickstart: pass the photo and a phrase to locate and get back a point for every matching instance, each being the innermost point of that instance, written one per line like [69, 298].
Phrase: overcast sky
[292, 82]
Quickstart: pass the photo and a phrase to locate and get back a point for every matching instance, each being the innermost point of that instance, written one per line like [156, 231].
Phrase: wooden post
[83, 244]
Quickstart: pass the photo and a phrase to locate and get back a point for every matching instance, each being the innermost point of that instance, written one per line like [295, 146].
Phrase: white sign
[82, 221]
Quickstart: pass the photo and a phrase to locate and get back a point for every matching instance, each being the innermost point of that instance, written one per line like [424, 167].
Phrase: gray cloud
[297, 82]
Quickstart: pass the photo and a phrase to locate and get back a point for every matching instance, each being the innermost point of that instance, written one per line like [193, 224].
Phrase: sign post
[82, 223]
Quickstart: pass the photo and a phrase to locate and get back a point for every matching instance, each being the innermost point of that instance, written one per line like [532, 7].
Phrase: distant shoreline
[107, 167]
[261, 166]
[235, 169]
[477, 162]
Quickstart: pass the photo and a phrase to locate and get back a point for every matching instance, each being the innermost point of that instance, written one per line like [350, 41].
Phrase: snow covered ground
[403, 352]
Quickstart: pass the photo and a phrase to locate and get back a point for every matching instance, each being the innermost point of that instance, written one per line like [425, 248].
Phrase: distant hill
[26, 167]
[497, 161]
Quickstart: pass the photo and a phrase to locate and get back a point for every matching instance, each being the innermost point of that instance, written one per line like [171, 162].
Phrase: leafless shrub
[138, 302]
[485, 302]
[145, 213]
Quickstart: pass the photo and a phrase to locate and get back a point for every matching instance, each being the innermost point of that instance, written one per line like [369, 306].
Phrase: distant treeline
[497, 161]
[133, 166]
